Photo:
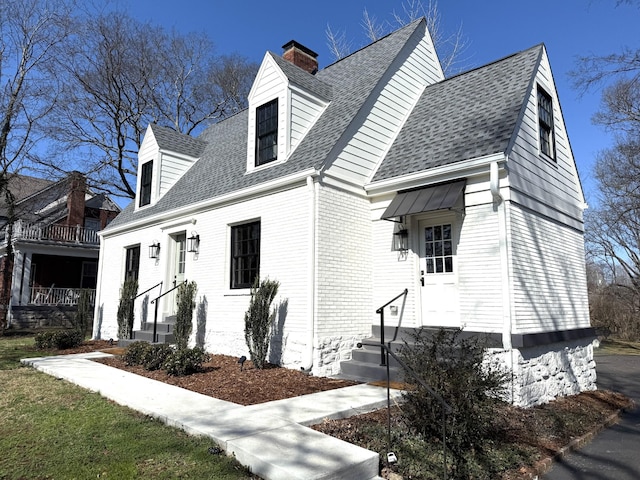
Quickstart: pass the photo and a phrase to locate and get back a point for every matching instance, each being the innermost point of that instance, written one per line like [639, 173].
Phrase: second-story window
[267, 133]
[545, 124]
[145, 183]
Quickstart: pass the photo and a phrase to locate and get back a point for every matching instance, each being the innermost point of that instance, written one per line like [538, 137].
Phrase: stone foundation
[542, 373]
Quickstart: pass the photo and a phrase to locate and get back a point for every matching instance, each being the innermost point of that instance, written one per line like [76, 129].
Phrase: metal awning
[428, 199]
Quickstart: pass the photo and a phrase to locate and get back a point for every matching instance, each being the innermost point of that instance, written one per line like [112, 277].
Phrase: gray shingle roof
[222, 165]
[466, 116]
[303, 78]
[169, 139]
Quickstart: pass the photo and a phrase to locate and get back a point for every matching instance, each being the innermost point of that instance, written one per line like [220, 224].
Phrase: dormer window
[545, 123]
[145, 183]
[267, 133]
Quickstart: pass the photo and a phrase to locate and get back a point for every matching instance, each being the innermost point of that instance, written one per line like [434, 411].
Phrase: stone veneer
[543, 373]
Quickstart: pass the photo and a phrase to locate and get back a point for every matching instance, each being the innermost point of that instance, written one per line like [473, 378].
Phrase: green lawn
[53, 429]
[612, 346]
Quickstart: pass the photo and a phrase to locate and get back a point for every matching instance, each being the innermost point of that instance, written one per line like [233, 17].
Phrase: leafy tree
[258, 320]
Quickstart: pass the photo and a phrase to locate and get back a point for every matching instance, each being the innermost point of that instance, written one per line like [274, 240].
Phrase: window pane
[438, 265]
[437, 233]
[438, 249]
[429, 265]
[429, 249]
[446, 232]
[448, 264]
[428, 234]
[448, 248]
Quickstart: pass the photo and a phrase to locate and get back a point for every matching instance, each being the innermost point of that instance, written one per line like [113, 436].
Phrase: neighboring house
[355, 182]
[55, 244]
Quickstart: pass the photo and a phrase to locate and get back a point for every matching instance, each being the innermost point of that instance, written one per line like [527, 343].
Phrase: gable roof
[222, 165]
[303, 78]
[169, 139]
[467, 116]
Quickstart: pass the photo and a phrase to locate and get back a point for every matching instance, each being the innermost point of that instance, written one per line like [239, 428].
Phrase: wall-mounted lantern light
[193, 242]
[154, 249]
[401, 240]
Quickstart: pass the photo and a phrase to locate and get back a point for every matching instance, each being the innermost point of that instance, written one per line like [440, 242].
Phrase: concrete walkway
[615, 452]
[272, 439]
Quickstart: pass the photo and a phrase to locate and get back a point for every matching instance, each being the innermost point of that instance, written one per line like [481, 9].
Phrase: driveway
[615, 452]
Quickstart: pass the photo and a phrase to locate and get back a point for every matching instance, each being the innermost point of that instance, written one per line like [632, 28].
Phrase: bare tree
[127, 74]
[450, 46]
[32, 35]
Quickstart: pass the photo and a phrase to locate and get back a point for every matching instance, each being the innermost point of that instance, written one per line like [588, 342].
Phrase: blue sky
[493, 29]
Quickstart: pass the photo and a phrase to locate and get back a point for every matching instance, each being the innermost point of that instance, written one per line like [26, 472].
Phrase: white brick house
[325, 170]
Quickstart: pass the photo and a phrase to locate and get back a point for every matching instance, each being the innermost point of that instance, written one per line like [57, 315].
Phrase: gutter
[307, 363]
[192, 209]
[501, 208]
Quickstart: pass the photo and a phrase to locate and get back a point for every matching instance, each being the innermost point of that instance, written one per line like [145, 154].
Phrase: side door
[438, 273]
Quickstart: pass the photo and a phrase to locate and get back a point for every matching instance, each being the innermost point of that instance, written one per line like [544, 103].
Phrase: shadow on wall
[98, 323]
[278, 341]
[201, 321]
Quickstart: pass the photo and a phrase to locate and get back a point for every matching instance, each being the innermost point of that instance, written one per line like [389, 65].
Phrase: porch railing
[380, 311]
[58, 296]
[57, 233]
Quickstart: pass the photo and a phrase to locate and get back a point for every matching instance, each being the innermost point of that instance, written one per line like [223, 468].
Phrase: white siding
[284, 252]
[171, 169]
[372, 134]
[304, 113]
[548, 269]
[554, 184]
[480, 270]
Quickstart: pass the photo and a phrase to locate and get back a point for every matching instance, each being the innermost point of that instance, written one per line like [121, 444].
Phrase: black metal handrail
[446, 408]
[380, 311]
[155, 312]
[149, 289]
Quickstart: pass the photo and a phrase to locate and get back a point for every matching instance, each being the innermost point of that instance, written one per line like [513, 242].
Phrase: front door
[177, 267]
[438, 274]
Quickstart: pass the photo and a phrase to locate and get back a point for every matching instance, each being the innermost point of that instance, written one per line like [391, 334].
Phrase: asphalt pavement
[614, 454]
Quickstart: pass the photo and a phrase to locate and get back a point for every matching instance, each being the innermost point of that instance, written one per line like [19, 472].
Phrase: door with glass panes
[176, 268]
[438, 273]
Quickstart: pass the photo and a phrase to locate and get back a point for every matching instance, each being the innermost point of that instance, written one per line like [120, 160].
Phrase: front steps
[365, 364]
[164, 333]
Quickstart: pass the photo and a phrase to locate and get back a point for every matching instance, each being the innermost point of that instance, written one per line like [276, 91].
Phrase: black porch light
[401, 240]
[154, 249]
[193, 242]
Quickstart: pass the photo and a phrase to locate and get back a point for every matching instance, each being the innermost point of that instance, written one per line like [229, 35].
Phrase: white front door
[177, 268]
[438, 273]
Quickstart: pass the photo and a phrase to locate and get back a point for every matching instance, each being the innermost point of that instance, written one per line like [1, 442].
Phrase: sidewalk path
[614, 454]
[271, 439]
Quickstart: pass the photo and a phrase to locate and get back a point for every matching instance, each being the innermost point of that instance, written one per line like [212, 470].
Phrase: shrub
[128, 293]
[258, 320]
[135, 353]
[83, 317]
[184, 316]
[185, 361]
[59, 339]
[155, 356]
[455, 368]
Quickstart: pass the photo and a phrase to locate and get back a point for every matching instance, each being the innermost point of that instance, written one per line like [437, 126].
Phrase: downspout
[307, 363]
[500, 206]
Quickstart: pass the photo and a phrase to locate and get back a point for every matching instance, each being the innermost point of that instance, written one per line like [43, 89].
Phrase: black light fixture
[401, 240]
[193, 242]
[154, 249]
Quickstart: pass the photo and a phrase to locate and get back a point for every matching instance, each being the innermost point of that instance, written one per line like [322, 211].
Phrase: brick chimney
[75, 199]
[300, 56]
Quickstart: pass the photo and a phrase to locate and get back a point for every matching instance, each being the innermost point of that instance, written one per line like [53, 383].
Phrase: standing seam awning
[428, 199]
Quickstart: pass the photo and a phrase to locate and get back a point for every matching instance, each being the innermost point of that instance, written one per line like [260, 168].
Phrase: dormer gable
[164, 156]
[284, 103]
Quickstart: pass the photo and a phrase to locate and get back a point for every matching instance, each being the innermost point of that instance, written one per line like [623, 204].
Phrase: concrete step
[369, 372]
[166, 327]
[147, 336]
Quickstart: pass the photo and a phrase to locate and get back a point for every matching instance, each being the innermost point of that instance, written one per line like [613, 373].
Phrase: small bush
[135, 353]
[455, 368]
[185, 361]
[258, 320]
[155, 356]
[185, 299]
[59, 339]
[83, 317]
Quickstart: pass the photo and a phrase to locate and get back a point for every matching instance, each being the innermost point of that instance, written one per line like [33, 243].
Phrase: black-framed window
[245, 254]
[267, 133]
[545, 123]
[132, 263]
[145, 183]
